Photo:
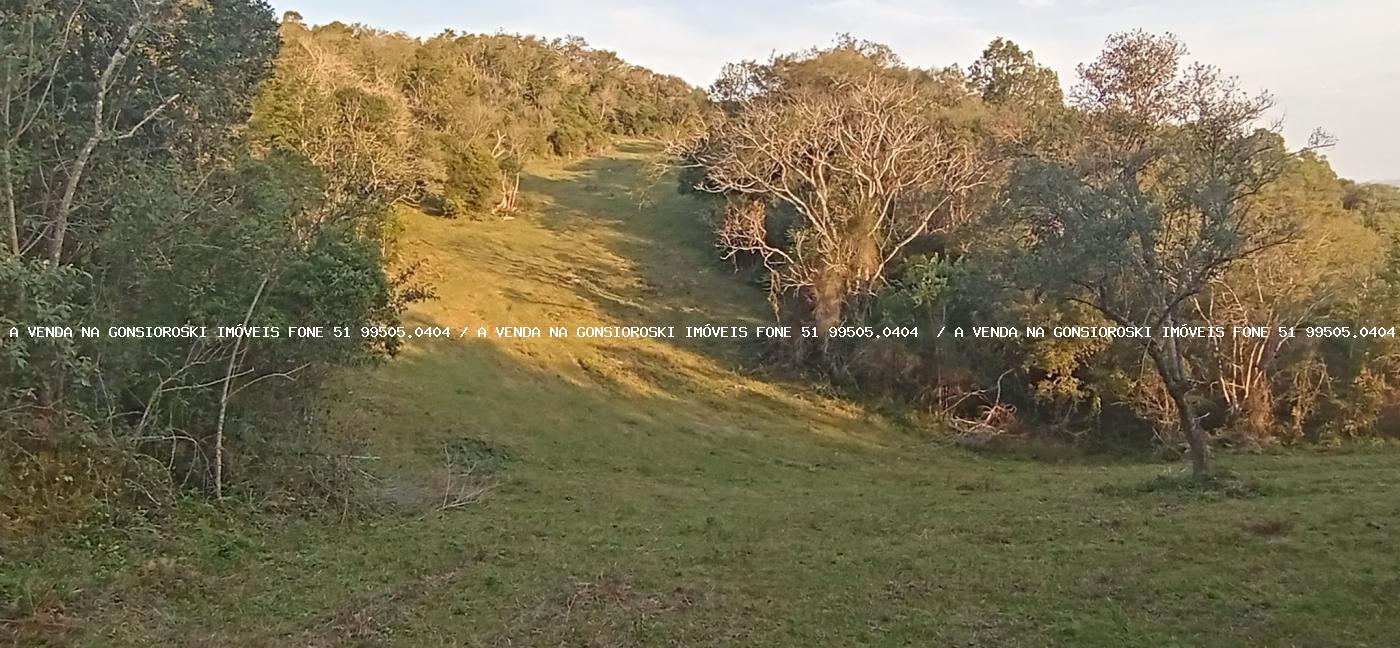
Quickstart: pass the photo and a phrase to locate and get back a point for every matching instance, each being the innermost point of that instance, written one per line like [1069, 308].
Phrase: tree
[91, 91]
[471, 181]
[1007, 75]
[85, 84]
[865, 165]
[357, 127]
[1158, 202]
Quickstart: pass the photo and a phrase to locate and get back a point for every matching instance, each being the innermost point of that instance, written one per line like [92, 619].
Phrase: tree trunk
[1166, 355]
[1255, 414]
[11, 213]
[828, 300]
[217, 465]
[1191, 429]
[59, 227]
[70, 190]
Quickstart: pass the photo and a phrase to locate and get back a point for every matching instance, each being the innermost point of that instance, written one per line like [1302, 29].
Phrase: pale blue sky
[1334, 65]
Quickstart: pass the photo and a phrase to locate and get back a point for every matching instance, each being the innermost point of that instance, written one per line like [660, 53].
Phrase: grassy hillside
[654, 493]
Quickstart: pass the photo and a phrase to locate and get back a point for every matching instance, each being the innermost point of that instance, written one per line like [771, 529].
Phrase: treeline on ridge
[445, 123]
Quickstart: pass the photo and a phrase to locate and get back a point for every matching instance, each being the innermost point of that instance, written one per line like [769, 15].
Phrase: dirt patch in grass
[1270, 528]
[610, 609]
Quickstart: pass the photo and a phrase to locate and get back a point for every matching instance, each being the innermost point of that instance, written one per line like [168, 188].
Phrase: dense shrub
[471, 182]
[169, 220]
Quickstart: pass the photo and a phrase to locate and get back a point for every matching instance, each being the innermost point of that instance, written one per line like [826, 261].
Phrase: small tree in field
[1158, 200]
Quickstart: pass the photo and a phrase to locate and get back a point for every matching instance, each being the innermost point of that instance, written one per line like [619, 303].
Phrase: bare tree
[1277, 290]
[864, 164]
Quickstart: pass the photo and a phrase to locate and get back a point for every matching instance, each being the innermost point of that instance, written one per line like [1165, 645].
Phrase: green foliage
[1152, 198]
[34, 295]
[574, 135]
[925, 285]
[446, 122]
[340, 281]
[169, 222]
[1008, 75]
[471, 182]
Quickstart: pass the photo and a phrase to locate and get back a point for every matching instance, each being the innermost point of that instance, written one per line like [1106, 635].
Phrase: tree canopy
[1155, 193]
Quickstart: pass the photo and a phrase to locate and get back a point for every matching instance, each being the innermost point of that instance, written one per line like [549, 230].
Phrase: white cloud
[889, 12]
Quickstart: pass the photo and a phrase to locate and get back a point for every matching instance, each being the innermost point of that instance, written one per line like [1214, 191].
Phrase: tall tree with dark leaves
[1156, 202]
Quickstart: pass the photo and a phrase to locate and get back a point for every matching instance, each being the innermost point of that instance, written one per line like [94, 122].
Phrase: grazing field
[610, 492]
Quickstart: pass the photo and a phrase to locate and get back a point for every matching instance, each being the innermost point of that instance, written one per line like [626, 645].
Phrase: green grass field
[656, 493]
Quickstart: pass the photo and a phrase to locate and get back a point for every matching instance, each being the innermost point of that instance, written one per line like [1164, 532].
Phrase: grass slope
[650, 493]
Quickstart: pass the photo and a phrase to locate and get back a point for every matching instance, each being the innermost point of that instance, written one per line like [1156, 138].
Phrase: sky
[1333, 65]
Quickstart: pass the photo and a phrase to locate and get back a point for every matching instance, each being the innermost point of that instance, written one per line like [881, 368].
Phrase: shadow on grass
[1015, 448]
[678, 277]
[1221, 485]
[627, 412]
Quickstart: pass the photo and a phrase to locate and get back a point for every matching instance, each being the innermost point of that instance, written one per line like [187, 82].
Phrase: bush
[48, 485]
[36, 294]
[471, 180]
[575, 134]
